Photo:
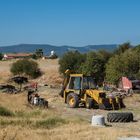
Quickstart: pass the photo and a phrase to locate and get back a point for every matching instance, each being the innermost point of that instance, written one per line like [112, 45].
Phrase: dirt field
[58, 122]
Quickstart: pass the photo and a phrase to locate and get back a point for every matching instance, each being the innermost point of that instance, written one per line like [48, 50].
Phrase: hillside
[58, 49]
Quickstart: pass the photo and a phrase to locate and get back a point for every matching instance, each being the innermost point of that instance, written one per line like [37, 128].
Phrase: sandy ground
[78, 126]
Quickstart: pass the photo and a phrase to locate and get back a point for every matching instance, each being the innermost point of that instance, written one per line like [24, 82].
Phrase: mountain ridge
[60, 50]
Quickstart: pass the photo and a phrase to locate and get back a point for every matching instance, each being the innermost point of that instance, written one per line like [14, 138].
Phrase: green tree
[26, 67]
[92, 63]
[125, 64]
[34, 56]
[137, 48]
[71, 60]
[39, 53]
[95, 65]
[122, 48]
[1, 56]
[113, 69]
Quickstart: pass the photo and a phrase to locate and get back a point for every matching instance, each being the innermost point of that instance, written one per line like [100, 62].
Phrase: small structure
[51, 56]
[98, 120]
[52, 53]
[16, 55]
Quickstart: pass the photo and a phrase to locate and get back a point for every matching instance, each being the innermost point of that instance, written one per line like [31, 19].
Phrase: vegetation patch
[23, 114]
[50, 123]
[5, 112]
[22, 123]
[45, 124]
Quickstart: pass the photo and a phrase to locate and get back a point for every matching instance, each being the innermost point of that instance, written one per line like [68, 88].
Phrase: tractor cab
[80, 82]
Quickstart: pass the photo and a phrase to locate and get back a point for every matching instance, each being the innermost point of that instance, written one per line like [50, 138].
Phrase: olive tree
[26, 67]
[71, 60]
[125, 64]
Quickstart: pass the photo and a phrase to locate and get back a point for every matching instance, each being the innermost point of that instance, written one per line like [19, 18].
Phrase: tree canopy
[26, 67]
[125, 64]
[103, 65]
[71, 60]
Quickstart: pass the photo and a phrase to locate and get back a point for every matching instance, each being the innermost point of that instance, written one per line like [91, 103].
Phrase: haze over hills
[60, 50]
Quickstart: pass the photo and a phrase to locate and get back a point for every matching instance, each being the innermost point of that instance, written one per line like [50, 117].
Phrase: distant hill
[60, 50]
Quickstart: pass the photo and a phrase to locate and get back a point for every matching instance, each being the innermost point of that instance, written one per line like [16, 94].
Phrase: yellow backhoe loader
[79, 89]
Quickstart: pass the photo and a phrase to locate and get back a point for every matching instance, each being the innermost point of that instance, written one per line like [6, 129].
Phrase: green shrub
[50, 122]
[23, 114]
[26, 67]
[34, 56]
[22, 123]
[5, 112]
[39, 53]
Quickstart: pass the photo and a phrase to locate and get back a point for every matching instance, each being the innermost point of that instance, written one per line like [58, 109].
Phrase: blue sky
[69, 22]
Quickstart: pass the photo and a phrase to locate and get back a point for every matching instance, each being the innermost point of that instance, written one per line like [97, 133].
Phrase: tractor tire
[89, 103]
[72, 100]
[120, 117]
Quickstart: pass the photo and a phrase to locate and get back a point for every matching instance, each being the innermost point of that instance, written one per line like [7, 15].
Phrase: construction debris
[129, 84]
[34, 99]
[5, 88]
[31, 86]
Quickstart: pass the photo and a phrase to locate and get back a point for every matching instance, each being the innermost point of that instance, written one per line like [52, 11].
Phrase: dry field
[58, 122]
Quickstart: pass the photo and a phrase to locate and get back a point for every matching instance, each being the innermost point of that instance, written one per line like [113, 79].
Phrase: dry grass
[5, 70]
[50, 69]
[58, 122]
[66, 132]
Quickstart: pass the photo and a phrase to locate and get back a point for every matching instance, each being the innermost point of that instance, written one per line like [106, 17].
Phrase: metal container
[35, 100]
[41, 101]
[98, 120]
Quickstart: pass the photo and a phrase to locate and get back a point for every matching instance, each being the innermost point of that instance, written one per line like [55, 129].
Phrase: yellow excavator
[79, 89]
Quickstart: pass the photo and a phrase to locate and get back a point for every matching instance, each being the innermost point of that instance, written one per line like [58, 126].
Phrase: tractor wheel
[72, 100]
[89, 103]
[120, 117]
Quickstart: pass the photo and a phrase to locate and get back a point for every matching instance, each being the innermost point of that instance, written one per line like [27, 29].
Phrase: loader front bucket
[105, 105]
[111, 104]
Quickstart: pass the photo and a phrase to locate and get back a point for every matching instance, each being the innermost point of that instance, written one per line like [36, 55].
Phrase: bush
[39, 53]
[34, 56]
[50, 122]
[21, 113]
[5, 112]
[26, 67]
[22, 123]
